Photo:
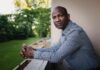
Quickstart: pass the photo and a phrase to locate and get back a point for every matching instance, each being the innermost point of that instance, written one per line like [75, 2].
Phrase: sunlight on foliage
[29, 4]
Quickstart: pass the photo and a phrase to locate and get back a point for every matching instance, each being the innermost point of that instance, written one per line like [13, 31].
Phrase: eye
[54, 17]
[61, 15]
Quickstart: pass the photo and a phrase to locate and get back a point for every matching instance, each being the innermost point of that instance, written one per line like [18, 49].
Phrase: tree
[24, 20]
[6, 28]
[43, 19]
[41, 14]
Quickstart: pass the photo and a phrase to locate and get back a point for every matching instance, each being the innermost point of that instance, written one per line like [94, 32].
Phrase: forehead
[56, 12]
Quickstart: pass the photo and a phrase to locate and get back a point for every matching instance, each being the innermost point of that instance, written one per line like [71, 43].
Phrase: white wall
[85, 13]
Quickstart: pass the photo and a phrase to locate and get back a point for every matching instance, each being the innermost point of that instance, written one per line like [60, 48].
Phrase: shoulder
[74, 29]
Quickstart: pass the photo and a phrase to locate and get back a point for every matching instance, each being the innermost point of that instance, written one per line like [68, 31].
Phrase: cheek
[54, 20]
[63, 19]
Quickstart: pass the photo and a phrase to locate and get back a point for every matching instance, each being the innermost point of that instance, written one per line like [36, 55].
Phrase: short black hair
[62, 10]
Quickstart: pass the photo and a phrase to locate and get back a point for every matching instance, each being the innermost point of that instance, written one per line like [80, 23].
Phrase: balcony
[34, 64]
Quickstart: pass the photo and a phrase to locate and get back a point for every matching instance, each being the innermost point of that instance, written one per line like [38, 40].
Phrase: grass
[9, 53]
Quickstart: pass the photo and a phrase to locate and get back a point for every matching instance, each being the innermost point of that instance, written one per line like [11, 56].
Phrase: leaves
[43, 19]
[26, 22]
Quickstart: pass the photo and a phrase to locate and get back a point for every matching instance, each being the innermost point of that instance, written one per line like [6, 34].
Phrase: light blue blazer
[74, 48]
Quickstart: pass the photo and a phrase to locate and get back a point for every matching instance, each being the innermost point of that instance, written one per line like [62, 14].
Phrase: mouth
[58, 25]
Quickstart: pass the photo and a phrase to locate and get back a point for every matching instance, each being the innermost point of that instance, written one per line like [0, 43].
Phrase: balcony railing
[34, 64]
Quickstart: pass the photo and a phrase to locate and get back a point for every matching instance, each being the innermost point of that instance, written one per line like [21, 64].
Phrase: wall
[85, 13]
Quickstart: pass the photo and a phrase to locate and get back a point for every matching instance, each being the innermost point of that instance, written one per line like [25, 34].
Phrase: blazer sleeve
[53, 48]
[69, 46]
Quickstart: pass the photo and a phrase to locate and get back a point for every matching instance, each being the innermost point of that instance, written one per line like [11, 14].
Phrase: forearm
[45, 56]
[50, 49]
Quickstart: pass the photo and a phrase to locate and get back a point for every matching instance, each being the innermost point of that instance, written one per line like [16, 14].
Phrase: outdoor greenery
[43, 22]
[28, 24]
[10, 53]
[32, 19]
[25, 23]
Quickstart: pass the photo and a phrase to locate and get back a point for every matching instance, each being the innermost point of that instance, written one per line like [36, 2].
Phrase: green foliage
[20, 25]
[5, 28]
[43, 22]
[24, 21]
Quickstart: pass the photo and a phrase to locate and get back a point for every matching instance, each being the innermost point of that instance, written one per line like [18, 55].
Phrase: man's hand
[27, 52]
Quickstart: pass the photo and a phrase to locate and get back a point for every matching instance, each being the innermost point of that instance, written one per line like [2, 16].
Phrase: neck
[65, 25]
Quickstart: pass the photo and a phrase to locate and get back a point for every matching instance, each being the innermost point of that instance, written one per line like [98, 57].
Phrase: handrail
[34, 64]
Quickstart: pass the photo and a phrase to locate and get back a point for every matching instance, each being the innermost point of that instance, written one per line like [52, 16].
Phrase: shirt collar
[67, 27]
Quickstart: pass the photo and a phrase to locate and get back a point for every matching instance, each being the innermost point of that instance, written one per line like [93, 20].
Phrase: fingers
[26, 51]
[21, 53]
[29, 52]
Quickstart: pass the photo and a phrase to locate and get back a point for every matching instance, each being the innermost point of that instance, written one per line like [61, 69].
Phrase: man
[74, 49]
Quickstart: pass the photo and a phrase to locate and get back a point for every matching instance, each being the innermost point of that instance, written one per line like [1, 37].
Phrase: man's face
[60, 20]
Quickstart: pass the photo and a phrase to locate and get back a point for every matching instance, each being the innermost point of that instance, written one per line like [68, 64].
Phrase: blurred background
[21, 21]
